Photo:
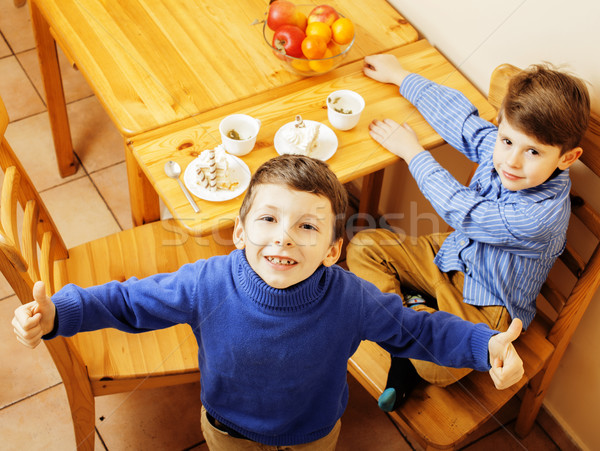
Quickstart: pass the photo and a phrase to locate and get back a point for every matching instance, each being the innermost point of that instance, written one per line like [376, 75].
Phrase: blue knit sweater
[273, 362]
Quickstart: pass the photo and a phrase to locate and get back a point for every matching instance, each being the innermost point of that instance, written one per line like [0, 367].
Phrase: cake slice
[213, 170]
[302, 137]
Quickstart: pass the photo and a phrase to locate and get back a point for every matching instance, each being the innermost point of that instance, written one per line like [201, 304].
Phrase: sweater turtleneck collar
[296, 297]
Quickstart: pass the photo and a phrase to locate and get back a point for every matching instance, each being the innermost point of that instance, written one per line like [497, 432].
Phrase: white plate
[326, 144]
[238, 170]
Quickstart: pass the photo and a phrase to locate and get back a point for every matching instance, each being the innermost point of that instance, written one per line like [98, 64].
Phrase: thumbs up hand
[35, 319]
[507, 366]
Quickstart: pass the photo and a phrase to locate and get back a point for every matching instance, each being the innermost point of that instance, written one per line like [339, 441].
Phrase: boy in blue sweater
[276, 321]
[509, 225]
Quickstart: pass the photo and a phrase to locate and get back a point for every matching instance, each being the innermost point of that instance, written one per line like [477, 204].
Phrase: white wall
[477, 36]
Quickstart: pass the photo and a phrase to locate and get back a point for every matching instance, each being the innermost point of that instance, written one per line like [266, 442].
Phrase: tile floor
[33, 408]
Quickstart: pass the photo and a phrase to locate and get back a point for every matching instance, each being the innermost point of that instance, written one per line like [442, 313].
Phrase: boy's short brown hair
[302, 174]
[552, 106]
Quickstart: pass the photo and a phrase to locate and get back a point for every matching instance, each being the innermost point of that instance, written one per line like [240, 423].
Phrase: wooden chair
[108, 361]
[447, 418]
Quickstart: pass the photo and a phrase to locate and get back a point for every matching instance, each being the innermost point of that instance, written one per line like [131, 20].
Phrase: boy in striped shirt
[509, 224]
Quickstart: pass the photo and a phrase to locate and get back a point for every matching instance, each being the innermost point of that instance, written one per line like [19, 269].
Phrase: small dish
[238, 171]
[326, 145]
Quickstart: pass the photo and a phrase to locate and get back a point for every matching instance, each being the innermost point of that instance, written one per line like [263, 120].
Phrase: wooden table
[357, 155]
[155, 63]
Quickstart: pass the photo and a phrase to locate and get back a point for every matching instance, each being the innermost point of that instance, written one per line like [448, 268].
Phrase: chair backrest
[20, 261]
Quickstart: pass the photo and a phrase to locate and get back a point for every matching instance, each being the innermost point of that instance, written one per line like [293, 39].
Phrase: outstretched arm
[507, 366]
[34, 320]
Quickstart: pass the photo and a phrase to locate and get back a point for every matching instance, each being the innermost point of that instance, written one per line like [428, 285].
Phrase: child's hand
[35, 319]
[384, 68]
[507, 366]
[398, 139]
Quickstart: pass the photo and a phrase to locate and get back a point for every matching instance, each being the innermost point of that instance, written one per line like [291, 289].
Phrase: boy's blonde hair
[302, 174]
[552, 106]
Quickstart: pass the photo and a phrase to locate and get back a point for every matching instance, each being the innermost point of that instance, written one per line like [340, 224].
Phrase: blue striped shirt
[504, 241]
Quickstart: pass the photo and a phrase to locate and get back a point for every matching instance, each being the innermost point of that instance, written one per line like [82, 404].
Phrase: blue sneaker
[387, 400]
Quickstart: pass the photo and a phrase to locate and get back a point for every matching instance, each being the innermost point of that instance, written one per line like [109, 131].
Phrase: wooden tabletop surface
[357, 154]
[154, 63]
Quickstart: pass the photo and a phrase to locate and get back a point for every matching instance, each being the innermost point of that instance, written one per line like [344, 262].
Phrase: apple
[281, 12]
[287, 39]
[323, 13]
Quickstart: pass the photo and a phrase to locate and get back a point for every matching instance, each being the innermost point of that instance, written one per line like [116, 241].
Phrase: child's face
[523, 162]
[287, 234]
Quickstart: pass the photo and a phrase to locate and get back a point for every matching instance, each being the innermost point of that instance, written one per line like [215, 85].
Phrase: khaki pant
[396, 265]
[221, 441]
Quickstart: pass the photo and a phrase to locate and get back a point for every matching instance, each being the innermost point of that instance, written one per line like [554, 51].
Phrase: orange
[322, 65]
[334, 48]
[300, 65]
[300, 20]
[343, 31]
[314, 47]
[319, 29]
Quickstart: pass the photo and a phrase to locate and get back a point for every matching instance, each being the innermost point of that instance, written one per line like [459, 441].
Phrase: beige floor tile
[15, 24]
[74, 85]
[158, 419]
[4, 49]
[5, 288]
[31, 139]
[41, 422]
[79, 212]
[19, 96]
[30, 370]
[365, 426]
[113, 186]
[558, 435]
[96, 140]
[505, 439]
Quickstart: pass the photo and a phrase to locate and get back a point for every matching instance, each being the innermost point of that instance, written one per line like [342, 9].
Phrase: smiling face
[523, 162]
[287, 234]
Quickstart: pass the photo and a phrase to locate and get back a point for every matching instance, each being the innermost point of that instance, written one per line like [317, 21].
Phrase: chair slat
[47, 261]
[29, 241]
[572, 260]
[499, 84]
[3, 118]
[587, 215]
[551, 292]
[9, 239]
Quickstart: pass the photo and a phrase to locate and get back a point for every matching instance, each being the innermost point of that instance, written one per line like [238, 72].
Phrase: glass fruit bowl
[303, 66]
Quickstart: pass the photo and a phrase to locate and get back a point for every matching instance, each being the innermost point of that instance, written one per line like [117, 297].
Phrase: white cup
[238, 133]
[344, 108]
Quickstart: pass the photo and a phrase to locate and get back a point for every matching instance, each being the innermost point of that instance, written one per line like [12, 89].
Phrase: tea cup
[238, 133]
[344, 108]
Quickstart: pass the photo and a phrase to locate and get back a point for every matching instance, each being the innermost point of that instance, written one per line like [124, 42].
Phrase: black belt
[224, 428]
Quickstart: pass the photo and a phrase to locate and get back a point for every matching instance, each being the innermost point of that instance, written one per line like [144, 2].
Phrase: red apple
[323, 13]
[281, 12]
[288, 40]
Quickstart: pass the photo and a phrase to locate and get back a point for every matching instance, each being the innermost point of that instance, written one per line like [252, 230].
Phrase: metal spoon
[173, 170]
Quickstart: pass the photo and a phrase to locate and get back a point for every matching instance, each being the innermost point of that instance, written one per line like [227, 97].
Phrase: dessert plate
[326, 144]
[238, 171]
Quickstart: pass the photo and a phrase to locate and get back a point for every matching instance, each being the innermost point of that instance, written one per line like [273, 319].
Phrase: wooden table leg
[145, 207]
[369, 197]
[55, 97]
